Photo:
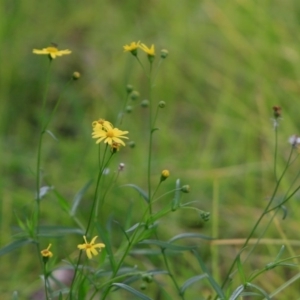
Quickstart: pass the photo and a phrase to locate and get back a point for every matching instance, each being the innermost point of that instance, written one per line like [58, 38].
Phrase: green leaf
[240, 269]
[15, 295]
[191, 281]
[213, 283]
[176, 199]
[52, 135]
[132, 290]
[237, 292]
[63, 203]
[262, 291]
[141, 191]
[167, 245]
[108, 247]
[57, 231]
[280, 252]
[78, 197]
[190, 235]
[15, 245]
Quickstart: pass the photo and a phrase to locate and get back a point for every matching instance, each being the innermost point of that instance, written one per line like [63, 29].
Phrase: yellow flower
[90, 248]
[105, 132]
[132, 48]
[101, 123]
[46, 252]
[52, 52]
[149, 51]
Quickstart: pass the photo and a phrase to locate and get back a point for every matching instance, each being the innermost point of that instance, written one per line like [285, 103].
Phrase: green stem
[266, 210]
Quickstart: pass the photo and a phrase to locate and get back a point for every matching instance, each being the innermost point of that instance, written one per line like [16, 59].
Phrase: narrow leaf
[63, 203]
[190, 235]
[262, 291]
[176, 199]
[167, 245]
[141, 191]
[191, 281]
[132, 290]
[213, 283]
[105, 239]
[15, 245]
[52, 135]
[78, 197]
[57, 231]
[237, 292]
[240, 269]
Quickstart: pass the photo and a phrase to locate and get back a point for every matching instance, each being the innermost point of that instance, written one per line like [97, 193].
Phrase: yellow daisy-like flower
[46, 252]
[101, 123]
[107, 133]
[53, 52]
[132, 48]
[90, 248]
[150, 51]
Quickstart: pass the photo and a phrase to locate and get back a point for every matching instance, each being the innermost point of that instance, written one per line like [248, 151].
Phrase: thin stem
[266, 210]
[100, 173]
[150, 141]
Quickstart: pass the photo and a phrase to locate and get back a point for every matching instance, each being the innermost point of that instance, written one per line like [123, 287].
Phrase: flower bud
[129, 88]
[164, 53]
[145, 103]
[277, 111]
[76, 75]
[121, 167]
[162, 104]
[164, 175]
[129, 109]
[131, 144]
[185, 188]
[147, 277]
[205, 216]
[134, 95]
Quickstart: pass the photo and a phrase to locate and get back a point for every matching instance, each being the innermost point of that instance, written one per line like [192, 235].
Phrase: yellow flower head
[52, 52]
[46, 252]
[164, 175]
[107, 133]
[90, 248]
[150, 51]
[132, 48]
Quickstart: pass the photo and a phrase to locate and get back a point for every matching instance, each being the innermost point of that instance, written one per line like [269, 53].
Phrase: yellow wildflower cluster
[89, 248]
[104, 131]
[135, 45]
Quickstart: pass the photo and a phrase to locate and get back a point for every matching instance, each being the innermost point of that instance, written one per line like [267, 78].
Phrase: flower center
[88, 246]
[110, 133]
[52, 49]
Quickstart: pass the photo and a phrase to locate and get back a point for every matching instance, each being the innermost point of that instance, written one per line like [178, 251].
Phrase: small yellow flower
[105, 132]
[52, 51]
[132, 48]
[150, 51]
[90, 248]
[46, 252]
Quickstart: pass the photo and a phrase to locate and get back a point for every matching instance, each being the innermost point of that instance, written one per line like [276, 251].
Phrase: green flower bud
[147, 277]
[134, 95]
[145, 103]
[129, 109]
[129, 88]
[164, 53]
[76, 75]
[185, 189]
[162, 104]
[131, 144]
[205, 216]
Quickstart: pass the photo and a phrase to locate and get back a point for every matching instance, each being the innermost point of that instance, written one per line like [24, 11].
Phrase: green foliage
[229, 62]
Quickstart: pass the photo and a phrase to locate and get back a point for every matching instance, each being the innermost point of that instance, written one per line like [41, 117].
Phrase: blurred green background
[229, 63]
